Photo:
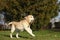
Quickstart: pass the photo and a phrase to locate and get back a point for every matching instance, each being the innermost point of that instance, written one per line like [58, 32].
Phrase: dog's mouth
[32, 21]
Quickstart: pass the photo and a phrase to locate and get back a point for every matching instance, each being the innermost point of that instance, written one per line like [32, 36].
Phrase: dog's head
[29, 18]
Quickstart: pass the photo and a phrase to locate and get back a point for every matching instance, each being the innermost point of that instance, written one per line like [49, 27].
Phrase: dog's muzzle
[32, 21]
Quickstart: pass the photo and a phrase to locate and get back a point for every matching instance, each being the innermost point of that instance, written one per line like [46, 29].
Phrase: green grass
[40, 35]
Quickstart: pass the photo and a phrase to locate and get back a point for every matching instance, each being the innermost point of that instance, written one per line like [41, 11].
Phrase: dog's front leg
[29, 31]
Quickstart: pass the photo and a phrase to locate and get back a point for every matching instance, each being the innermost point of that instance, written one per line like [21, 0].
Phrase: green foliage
[43, 10]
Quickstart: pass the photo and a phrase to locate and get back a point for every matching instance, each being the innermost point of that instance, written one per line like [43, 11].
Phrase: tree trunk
[44, 27]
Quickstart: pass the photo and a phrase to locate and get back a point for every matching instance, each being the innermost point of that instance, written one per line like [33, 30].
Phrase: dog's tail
[10, 23]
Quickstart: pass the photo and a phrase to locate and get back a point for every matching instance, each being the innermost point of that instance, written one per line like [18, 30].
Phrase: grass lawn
[40, 35]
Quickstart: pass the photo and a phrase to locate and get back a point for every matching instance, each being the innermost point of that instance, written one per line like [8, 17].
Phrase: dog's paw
[11, 37]
[33, 35]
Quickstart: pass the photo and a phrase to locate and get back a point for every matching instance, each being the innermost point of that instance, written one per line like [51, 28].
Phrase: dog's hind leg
[29, 31]
[12, 30]
[17, 33]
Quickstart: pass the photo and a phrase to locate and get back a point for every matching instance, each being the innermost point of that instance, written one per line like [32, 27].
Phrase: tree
[43, 10]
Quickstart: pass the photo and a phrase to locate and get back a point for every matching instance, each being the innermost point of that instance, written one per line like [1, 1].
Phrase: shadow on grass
[26, 37]
[8, 36]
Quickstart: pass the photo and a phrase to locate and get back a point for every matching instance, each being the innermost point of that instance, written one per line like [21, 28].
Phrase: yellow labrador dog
[22, 25]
